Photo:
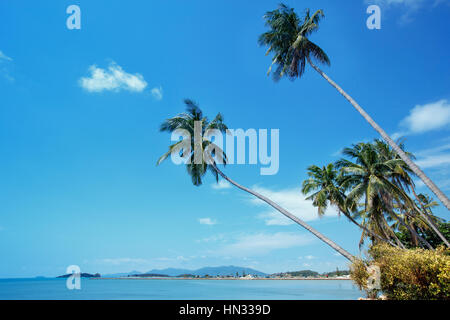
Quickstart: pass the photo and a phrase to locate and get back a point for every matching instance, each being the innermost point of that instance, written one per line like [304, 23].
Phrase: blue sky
[80, 112]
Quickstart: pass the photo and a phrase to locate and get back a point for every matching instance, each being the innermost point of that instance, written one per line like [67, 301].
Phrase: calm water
[180, 289]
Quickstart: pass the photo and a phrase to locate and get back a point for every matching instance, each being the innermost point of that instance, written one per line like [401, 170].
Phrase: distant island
[149, 275]
[82, 275]
[227, 272]
[221, 271]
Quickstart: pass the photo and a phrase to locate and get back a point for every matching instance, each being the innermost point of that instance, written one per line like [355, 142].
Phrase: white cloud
[434, 157]
[182, 258]
[290, 199]
[428, 117]
[207, 221]
[112, 79]
[274, 218]
[396, 135]
[164, 259]
[437, 161]
[213, 238]
[434, 161]
[337, 153]
[5, 63]
[222, 185]
[119, 261]
[4, 57]
[309, 257]
[262, 243]
[409, 7]
[409, 3]
[157, 93]
[424, 118]
[434, 150]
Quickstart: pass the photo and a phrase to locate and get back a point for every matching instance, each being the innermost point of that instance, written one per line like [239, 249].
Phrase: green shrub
[411, 274]
[359, 274]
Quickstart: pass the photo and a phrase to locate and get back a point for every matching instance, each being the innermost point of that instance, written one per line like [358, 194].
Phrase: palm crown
[288, 40]
[369, 177]
[324, 189]
[376, 176]
[199, 155]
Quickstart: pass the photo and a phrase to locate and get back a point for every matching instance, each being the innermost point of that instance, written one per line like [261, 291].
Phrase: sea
[164, 289]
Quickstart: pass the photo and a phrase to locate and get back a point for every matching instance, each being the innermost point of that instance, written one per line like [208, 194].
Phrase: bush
[411, 274]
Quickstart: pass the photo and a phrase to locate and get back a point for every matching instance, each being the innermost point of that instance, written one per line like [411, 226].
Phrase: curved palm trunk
[289, 215]
[385, 229]
[394, 236]
[385, 136]
[397, 240]
[413, 237]
[412, 231]
[428, 219]
[367, 230]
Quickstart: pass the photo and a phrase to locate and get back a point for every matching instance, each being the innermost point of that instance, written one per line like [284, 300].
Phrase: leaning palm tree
[202, 155]
[401, 175]
[368, 178]
[288, 40]
[323, 189]
[428, 203]
[416, 222]
[374, 219]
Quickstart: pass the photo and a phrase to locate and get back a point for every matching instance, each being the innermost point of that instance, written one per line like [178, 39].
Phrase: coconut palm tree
[428, 203]
[201, 155]
[401, 175]
[288, 39]
[324, 191]
[368, 178]
[194, 151]
[374, 219]
[410, 217]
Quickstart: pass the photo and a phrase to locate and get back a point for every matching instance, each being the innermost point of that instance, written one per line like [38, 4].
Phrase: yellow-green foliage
[359, 274]
[411, 274]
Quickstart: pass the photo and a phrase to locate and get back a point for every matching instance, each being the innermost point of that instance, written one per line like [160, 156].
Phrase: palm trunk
[412, 231]
[397, 240]
[385, 136]
[367, 230]
[428, 219]
[400, 244]
[413, 237]
[289, 215]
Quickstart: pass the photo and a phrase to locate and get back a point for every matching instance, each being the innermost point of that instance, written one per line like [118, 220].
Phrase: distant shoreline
[180, 278]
